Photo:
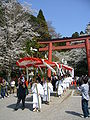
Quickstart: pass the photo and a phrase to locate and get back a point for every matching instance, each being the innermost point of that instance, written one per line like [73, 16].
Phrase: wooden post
[49, 57]
[27, 73]
[87, 43]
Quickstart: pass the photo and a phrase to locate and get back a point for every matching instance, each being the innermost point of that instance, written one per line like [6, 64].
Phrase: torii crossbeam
[80, 42]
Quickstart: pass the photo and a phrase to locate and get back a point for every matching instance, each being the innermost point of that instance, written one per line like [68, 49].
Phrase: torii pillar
[87, 44]
[49, 57]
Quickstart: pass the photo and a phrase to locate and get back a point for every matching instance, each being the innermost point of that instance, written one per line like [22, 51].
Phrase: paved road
[69, 109]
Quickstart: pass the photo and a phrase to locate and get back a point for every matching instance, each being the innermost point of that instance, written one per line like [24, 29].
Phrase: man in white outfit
[37, 91]
[48, 88]
[59, 87]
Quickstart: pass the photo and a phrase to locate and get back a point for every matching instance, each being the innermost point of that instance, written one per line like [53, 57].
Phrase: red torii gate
[81, 42]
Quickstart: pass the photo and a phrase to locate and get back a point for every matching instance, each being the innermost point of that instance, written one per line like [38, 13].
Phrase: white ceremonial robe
[37, 97]
[63, 86]
[48, 88]
[70, 79]
[59, 88]
[67, 81]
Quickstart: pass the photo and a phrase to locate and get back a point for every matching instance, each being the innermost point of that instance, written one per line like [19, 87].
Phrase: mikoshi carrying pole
[27, 73]
[48, 97]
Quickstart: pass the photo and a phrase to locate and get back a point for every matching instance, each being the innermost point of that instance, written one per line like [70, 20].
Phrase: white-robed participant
[48, 88]
[37, 91]
[67, 81]
[63, 84]
[59, 88]
[70, 79]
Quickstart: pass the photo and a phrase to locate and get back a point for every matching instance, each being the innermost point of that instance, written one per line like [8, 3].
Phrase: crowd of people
[41, 89]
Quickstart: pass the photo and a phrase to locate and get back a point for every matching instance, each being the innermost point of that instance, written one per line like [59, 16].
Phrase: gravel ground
[68, 107]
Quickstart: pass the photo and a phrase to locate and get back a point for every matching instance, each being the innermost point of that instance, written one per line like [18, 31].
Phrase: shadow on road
[73, 113]
[27, 106]
[12, 106]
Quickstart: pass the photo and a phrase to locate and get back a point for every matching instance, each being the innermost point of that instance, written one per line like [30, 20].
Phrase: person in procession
[67, 81]
[48, 88]
[54, 80]
[38, 92]
[12, 86]
[59, 87]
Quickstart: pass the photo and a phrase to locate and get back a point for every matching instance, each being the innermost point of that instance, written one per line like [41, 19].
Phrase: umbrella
[28, 61]
[36, 62]
[43, 65]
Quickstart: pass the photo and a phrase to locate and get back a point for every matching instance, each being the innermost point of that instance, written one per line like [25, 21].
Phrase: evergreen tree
[43, 27]
[82, 33]
[40, 26]
[75, 35]
[41, 16]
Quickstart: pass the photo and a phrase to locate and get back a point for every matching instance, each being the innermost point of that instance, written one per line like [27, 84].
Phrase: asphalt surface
[68, 107]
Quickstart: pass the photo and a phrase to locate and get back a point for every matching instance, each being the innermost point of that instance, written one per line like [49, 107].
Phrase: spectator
[6, 89]
[21, 94]
[12, 86]
[84, 88]
[3, 84]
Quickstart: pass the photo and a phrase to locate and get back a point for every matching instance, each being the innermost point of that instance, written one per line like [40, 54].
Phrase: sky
[67, 16]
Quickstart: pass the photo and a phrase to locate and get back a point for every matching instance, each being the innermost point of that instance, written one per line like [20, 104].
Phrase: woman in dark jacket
[21, 94]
